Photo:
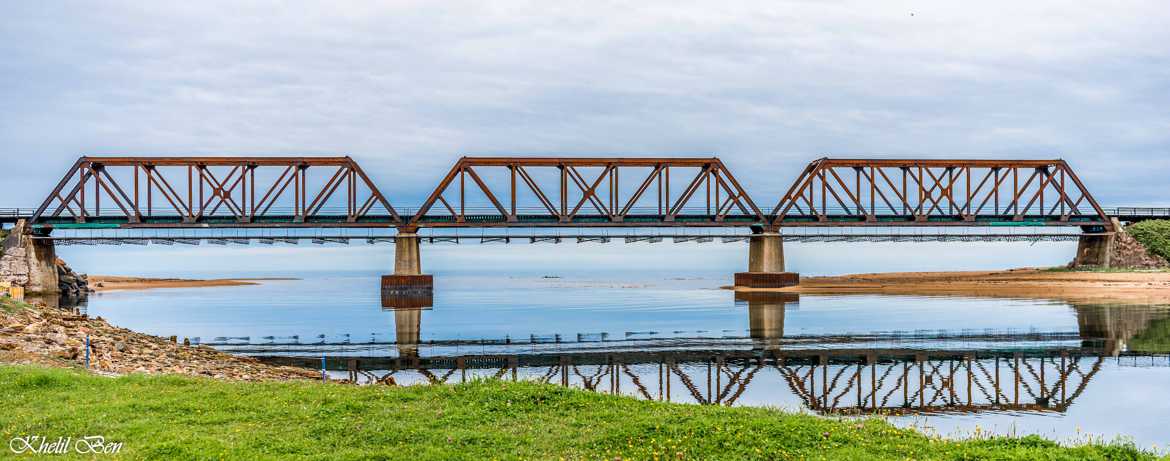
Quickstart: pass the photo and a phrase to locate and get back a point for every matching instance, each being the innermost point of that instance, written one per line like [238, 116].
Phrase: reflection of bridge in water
[844, 381]
[887, 373]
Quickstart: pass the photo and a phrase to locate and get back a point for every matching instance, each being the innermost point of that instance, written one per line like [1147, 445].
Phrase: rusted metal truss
[481, 192]
[834, 382]
[232, 191]
[587, 191]
[937, 192]
[943, 385]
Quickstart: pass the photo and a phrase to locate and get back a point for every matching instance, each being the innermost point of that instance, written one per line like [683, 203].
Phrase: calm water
[950, 365]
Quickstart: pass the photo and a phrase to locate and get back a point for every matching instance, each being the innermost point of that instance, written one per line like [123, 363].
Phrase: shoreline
[103, 283]
[37, 334]
[1031, 283]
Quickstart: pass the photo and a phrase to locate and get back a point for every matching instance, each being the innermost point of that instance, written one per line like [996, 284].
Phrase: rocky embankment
[1128, 252]
[39, 334]
[72, 284]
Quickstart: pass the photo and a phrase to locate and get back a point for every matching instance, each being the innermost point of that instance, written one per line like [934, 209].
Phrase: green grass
[1155, 338]
[10, 305]
[185, 418]
[1154, 235]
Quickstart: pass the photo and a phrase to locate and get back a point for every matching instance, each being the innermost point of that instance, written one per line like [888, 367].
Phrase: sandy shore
[1104, 287]
[112, 282]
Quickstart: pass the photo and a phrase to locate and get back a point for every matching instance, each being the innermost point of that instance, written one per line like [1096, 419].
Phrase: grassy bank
[1154, 235]
[188, 418]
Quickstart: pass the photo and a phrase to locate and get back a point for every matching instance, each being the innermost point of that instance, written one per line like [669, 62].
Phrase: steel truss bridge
[84, 238]
[841, 381]
[166, 193]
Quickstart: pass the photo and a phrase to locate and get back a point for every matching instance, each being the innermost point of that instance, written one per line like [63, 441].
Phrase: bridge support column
[766, 264]
[408, 286]
[1094, 250]
[1098, 250]
[407, 258]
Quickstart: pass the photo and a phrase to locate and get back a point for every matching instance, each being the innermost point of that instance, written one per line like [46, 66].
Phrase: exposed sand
[112, 282]
[1103, 287]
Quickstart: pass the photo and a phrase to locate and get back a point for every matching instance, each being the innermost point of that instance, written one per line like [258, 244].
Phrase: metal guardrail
[1137, 211]
[555, 239]
[16, 212]
[488, 210]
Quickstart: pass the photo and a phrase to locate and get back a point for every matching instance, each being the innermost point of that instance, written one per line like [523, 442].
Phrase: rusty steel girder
[481, 192]
[222, 191]
[588, 192]
[883, 193]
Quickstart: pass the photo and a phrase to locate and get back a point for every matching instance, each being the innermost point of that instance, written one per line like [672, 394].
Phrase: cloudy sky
[407, 87]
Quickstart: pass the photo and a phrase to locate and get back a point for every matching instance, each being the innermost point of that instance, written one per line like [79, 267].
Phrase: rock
[58, 334]
[1128, 252]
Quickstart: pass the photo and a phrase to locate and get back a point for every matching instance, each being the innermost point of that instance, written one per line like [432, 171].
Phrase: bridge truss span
[883, 193]
[589, 192]
[565, 192]
[217, 191]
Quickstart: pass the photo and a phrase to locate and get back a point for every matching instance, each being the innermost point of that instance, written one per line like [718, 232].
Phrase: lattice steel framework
[480, 192]
[828, 383]
[1049, 382]
[588, 192]
[229, 191]
[844, 192]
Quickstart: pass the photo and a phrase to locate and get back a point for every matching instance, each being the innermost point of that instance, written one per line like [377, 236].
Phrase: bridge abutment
[408, 285]
[1116, 249]
[29, 263]
[766, 264]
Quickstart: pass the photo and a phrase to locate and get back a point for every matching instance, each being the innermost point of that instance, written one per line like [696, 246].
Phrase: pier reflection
[766, 315]
[408, 311]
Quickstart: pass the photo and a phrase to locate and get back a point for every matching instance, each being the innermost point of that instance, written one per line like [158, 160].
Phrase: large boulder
[71, 284]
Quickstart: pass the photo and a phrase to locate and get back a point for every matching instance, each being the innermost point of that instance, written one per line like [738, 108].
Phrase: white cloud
[407, 87]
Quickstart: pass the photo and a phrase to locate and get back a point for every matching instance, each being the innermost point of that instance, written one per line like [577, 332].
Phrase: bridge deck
[533, 220]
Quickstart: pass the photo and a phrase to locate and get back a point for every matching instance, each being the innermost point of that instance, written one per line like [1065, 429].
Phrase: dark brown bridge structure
[239, 192]
[254, 196]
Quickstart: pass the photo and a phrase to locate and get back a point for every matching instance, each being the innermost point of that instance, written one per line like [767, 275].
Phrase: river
[947, 365]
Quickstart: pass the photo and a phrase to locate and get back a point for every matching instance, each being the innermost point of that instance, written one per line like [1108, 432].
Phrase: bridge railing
[16, 212]
[1138, 211]
[26, 212]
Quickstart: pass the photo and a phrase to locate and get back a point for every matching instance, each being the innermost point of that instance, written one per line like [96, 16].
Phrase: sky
[408, 87]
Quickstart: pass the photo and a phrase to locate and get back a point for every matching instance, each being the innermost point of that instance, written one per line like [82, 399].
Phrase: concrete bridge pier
[408, 285]
[1095, 250]
[766, 263]
[407, 257]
